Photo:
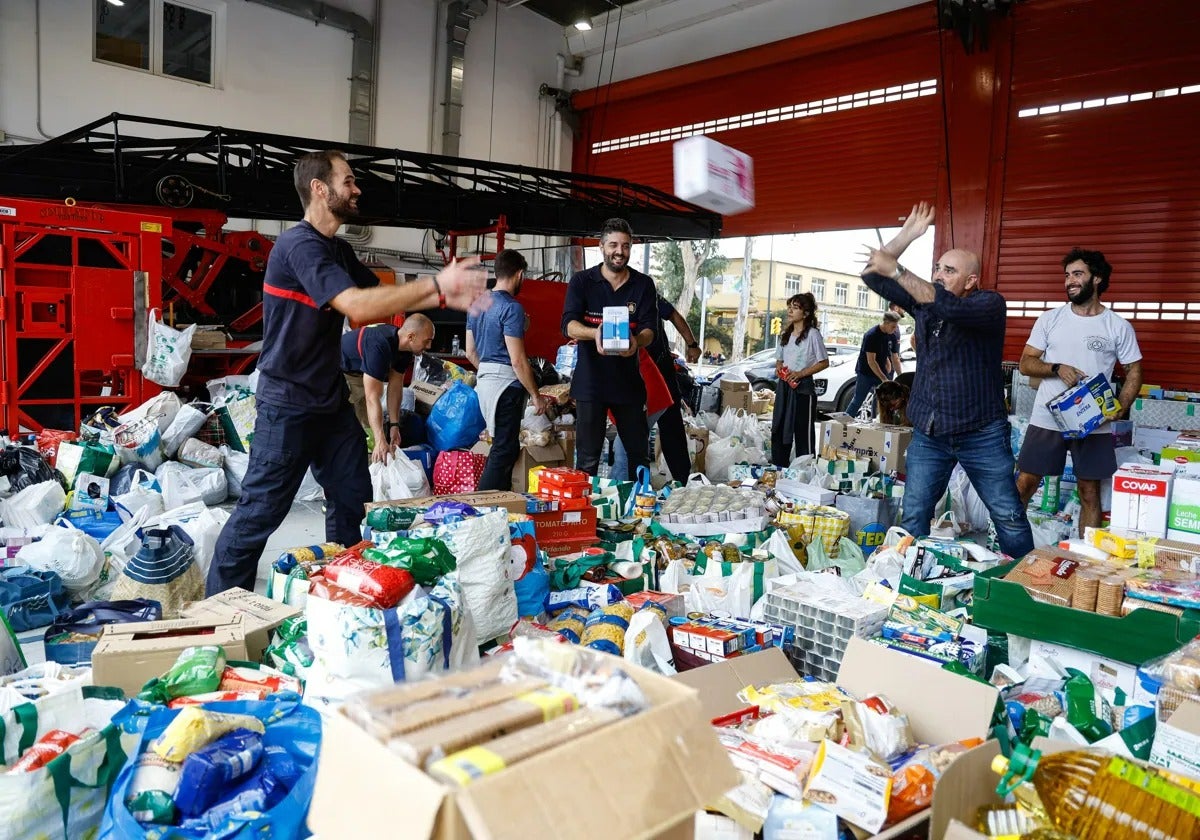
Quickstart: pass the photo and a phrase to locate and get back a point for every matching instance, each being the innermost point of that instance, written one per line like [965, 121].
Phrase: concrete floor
[304, 525]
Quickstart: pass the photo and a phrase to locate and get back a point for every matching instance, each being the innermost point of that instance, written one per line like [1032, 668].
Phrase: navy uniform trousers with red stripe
[287, 441]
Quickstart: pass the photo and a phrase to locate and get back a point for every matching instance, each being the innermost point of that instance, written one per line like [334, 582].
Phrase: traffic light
[776, 325]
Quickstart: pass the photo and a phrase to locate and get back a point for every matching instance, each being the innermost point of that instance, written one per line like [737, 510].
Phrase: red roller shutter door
[1122, 177]
[837, 129]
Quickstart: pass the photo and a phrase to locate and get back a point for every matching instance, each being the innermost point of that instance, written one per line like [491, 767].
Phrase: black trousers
[287, 441]
[673, 440]
[792, 421]
[506, 440]
[591, 419]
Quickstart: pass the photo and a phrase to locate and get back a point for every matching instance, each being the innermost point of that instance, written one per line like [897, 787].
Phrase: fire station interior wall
[1101, 153]
[282, 74]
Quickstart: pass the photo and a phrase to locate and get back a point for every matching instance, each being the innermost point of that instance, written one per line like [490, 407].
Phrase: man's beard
[1085, 293]
[616, 269]
[341, 207]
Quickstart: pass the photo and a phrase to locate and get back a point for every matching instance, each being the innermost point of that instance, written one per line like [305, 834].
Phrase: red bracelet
[437, 287]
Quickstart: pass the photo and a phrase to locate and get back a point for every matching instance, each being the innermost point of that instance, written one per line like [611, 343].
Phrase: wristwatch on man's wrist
[899, 272]
[1054, 368]
[695, 344]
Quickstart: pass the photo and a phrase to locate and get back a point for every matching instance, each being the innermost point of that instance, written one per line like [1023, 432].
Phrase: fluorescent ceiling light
[582, 25]
[116, 2]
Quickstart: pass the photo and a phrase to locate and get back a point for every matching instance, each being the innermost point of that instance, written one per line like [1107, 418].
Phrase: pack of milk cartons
[614, 329]
[713, 175]
[1141, 497]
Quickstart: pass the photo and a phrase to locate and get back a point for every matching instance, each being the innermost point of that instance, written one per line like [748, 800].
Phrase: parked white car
[835, 384]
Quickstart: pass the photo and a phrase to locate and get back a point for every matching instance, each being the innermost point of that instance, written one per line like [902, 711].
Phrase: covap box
[129, 655]
[636, 778]
[260, 615]
[1140, 498]
[941, 706]
[713, 175]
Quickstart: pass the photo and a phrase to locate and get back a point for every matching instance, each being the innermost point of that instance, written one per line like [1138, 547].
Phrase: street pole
[770, 281]
[704, 290]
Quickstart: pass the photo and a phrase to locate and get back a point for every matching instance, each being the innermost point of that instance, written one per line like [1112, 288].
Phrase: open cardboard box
[941, 706]
[130, 655]
[638, 778]
[260, 615]
[967, 785]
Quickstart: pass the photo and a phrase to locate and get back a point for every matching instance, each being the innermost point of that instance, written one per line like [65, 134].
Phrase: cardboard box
[670, 765]
[535, 456]
[967, 785]
[1084, 407]
[513, 502]
[883, 444]
[1104, 673]
[1140, 498]
[713, 175]
[735, 385]
[260, 615]
[1177, 742]
[208, 338]
[941, 706]
[130, 655]
[426, 395]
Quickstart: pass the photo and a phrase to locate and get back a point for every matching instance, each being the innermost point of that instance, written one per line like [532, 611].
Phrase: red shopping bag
[457, 471]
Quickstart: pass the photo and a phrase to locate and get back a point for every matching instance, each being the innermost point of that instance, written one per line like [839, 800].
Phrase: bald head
[958, 271]
[416, 333]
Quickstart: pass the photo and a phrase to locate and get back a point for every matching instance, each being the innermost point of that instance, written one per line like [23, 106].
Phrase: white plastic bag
[162, 408]
[211, 483]
[139, 442]
[310, 490]
[969, 509]
[722, 454]
[399, 478]
[646, 643]
[189, 420]
[178, 489]
[197, 453]
[236, 464]
[73, 555]
[38, 504]
[138, 498]
[779, 548]
[167, 352]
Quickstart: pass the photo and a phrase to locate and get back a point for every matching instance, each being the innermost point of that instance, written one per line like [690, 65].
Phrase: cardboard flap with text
[719, 683]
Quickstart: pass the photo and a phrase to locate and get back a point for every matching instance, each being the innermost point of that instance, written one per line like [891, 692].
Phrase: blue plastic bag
[533, 590]
[455, 420]
[91, 522]
[289, 725]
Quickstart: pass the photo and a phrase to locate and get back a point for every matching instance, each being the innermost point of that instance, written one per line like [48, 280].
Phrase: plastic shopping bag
[187, 422]
[167, 352]
[455, 420]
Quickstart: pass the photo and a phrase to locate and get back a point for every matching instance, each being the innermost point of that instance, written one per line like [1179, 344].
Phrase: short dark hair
[317, 165]
[1096, 264]
[615, 226]
[508, 263]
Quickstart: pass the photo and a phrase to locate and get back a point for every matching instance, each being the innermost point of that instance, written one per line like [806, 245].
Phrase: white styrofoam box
[1140, 497]
[713, 176]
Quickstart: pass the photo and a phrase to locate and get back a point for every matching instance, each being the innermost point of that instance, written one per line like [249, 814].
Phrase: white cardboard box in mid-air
[713, 176]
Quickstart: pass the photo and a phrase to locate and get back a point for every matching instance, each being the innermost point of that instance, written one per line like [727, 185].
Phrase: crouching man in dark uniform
[312, 283]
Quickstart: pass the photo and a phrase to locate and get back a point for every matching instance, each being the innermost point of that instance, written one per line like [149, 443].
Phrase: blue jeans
[986, 457]
[620, 466]
[863, 383]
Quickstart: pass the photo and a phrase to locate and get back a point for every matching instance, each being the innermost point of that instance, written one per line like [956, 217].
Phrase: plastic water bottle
[455, 346]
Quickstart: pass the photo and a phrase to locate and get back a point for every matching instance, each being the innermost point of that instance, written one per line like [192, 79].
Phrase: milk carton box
[614, 329]
[1183, 516]
[713, 175]
[1141, 496]
[1082, 408]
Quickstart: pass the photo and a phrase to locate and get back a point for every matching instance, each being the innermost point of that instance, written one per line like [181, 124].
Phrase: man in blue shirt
[957, 401]
[376, 356]
[874, 360]
[312, 284]
[610, 382]
[496, 346]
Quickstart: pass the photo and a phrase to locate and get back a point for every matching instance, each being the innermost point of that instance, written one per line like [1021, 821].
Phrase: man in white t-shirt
[1068, 344]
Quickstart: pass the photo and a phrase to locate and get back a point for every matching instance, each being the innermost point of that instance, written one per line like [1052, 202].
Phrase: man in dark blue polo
[312, 284]
[957, 401]
[375, 359]
[610, 382]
